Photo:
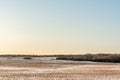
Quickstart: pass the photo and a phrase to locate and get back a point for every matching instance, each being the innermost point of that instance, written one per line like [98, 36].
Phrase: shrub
[27, 58]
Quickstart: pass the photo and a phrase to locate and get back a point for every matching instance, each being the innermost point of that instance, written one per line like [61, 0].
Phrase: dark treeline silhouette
[92, 57]
[86, 57]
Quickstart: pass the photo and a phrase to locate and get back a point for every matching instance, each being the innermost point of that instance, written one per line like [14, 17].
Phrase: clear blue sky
[59, 26]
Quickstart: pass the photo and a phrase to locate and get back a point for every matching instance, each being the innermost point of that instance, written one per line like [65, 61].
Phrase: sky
[59, 26]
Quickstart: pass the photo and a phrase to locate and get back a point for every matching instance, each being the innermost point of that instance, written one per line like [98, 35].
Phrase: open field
[36, 69]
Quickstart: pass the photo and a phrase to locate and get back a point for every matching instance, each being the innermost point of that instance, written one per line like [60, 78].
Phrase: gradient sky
[59, 26]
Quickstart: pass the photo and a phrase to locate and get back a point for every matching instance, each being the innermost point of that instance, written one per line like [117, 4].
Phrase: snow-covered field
[46, 69]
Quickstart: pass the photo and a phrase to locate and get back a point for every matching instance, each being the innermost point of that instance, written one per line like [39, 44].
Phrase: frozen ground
[57, 70]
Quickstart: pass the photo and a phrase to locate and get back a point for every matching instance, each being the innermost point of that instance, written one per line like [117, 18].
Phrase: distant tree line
[92, 57]
[86, 57]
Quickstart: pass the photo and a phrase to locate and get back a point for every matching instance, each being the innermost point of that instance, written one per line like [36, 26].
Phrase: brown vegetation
[47, 70]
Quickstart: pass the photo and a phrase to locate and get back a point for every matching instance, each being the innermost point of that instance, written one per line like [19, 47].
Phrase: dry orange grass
[44, 70]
